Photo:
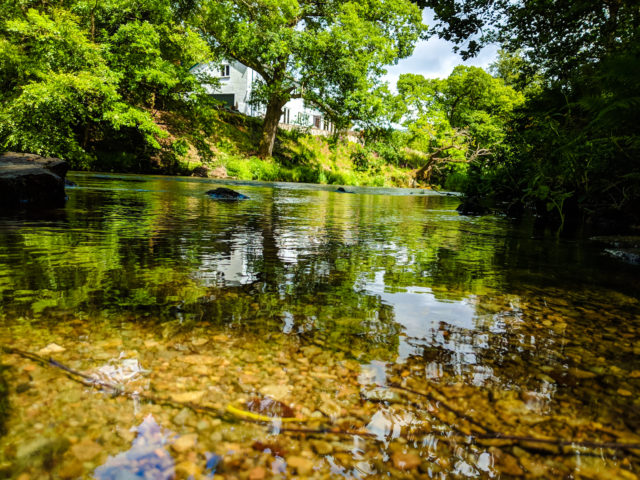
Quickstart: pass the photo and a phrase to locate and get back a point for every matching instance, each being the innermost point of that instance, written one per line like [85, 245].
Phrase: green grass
[297, 157]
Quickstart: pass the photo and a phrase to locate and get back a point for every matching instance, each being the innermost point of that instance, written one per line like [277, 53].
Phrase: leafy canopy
[468, 112]
[330, 53]
[79, 77]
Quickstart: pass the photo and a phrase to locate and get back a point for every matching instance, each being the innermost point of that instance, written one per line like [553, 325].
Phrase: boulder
[623, 247]
[473, 206]
[200, 171]
[31, 180]
[223, 193]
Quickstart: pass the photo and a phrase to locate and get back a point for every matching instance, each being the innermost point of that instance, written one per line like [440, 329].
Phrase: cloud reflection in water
[147, 457]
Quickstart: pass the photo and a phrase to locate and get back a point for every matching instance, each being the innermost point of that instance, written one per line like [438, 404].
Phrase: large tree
[331, 53]
[461, 118]
[573, 149]
[81, 77]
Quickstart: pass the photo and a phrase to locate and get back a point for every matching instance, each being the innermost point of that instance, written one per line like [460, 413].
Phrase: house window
[224, 71]
[286, 116]
[317, 121]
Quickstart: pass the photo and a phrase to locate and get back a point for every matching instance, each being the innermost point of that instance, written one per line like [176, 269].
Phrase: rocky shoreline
[31, 180]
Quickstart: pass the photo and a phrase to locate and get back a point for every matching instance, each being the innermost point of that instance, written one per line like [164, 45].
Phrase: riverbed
[150, 331]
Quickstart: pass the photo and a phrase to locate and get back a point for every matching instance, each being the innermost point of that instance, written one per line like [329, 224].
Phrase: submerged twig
[93, 382]
[460, 436]
[495, 435]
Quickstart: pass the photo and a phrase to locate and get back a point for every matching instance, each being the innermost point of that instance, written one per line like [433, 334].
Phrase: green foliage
[570, 150]
[332, 54]
[463, 118]
[81, 80]
[455, 177]
[389, 144]
[361, 159]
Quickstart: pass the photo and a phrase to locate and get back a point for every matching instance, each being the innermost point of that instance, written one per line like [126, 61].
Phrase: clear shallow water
[404, 337]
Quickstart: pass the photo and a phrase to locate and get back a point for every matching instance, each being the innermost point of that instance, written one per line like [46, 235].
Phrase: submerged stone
[628, 255]
[51, 348]
[41, 451]
[405, 461]
[223, 193]
[302, 466]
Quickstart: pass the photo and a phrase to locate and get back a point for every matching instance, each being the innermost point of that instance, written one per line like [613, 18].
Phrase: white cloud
[435, 58]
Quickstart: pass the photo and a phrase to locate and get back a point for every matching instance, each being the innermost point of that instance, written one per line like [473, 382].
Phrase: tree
[330, 53]
[79, 76]
[557, 36]
[461, 118]
[572, 149]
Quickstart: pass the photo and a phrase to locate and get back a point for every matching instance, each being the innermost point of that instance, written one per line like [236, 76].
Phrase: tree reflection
[379, 276]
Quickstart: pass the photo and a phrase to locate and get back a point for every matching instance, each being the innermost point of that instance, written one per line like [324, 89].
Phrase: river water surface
[149, 331]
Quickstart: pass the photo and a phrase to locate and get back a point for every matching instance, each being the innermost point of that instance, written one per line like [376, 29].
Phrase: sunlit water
[390, 336]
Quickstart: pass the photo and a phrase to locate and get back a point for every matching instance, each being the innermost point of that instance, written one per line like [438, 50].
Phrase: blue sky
[435, 58]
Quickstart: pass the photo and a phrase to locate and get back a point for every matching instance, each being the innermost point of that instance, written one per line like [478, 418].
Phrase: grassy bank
[224, 146]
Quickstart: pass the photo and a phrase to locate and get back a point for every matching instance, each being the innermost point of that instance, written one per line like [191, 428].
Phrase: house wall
[239, 83]
[296, 113]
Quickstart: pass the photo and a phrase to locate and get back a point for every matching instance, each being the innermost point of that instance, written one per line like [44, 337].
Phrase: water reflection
[328, 301]
[148, 456]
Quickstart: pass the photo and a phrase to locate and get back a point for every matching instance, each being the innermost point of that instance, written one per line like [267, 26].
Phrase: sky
[434, 58]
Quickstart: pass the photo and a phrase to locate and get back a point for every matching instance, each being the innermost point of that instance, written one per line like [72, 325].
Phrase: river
[306, 333]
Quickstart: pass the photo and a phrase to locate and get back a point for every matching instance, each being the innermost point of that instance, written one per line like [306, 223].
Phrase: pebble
[86, 450]
[185, 397]
[257, 473]
[202, 425]
[381, 394]
[51, 348]
[321, 447]
[182, 417]
[71, 470]
[203, 360]
[277, 392]
[535, 468]
[507, 464]
[302, 466]
[405, 461]
[187, 469]
[582, 374]
[185, 443]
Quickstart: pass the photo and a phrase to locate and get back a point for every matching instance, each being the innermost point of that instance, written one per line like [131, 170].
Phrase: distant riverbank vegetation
[551, 127]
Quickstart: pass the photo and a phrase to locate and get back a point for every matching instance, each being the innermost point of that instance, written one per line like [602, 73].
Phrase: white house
[236, 83]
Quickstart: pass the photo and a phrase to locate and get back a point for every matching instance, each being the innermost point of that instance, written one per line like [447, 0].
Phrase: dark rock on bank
[31, 180]
[623, 247]
[223, 193]
[342, 190]
[472, 206]
[200, 171]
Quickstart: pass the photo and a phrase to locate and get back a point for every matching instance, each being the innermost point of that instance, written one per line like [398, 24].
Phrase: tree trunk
[270, 127]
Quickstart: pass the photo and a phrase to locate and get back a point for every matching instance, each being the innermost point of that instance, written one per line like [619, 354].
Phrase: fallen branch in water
[490, 434]
[466, 438]
[230, 414]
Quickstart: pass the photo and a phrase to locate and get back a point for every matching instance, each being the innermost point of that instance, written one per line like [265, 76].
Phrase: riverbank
[224, 147]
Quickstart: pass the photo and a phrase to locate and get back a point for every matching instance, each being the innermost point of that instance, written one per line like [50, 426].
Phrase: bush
[362, 159]
[238, 168]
